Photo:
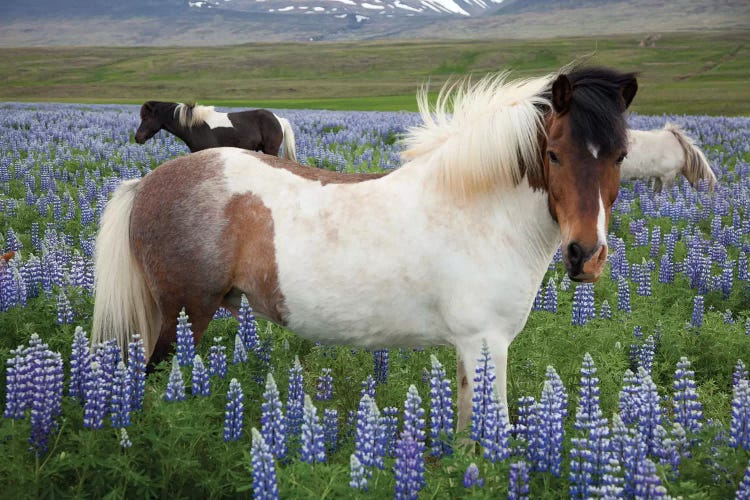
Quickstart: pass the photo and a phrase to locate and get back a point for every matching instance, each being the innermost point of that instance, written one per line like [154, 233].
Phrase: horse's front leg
[467, 359]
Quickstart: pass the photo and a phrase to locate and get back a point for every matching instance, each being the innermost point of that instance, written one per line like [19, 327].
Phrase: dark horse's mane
[597, 108]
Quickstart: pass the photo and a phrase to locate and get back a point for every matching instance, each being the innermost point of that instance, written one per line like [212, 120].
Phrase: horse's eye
[553, 157]
[621, 158]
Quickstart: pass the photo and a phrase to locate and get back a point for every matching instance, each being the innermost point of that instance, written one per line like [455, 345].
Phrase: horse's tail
[696, 165]
[123, 305]
[287, 143]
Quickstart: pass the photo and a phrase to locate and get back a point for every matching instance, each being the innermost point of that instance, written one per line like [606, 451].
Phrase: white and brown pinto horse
[448, 249]
[664, 153]
[202, 127]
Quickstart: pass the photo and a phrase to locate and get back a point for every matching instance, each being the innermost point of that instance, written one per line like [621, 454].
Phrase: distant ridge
[221, 22]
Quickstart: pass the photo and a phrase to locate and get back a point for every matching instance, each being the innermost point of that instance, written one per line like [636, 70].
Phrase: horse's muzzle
[139, 139]
[582, 267]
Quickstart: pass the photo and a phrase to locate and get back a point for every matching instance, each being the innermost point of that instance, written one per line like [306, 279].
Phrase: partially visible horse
[202, 127]
[448, 249]
[663, 153]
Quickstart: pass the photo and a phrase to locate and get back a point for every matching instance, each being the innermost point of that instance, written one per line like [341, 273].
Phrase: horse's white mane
[493, 129]
[191, 116]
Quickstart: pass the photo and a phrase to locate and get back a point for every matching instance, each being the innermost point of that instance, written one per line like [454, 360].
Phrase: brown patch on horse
[321, 175]
[249, 238]
[7, 256]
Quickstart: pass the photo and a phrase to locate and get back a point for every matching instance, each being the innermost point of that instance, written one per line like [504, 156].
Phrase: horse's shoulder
[321, 175]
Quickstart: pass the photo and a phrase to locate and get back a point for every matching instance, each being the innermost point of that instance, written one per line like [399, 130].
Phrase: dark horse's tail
[123, 305]
[289, 150]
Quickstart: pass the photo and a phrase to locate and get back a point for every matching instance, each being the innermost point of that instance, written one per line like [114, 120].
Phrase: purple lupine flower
[201, 385]
[390, 421]
[265, 485]
[630, 399]
[650, 412]
[647, 352]
[623, 295]
[547, 433]
[743, 492]
[538, 304]
[409, 467]
[368, 387]
[583, 304]
[80, 364]
[46, 402]
[272, 421]
[605, 312]
[217, 359]
[247, 329]
[137, 371]
[688, 411]
[240, 353]
[366, 434]
[324, 388]
[175, 385]
[471, 477]
[739, 430]
[588, 413]
[565, 283]
[185, 340]
[525, 424]
[381, 365]
[518, 484]
[65, 314]
[295, 402]
[96, 405]
[666, 269]
[696, 320]
[441, 411]
[18, 388]
[331, 428]
[313, 448]
[655, 242]
[496, 438]
[358, 476]
[674, 447]
[646, 483]
[484, 382]
[550, 296]
[234, 414]
[740, 372]
[642, 279]
[125, 441]
[121, 397]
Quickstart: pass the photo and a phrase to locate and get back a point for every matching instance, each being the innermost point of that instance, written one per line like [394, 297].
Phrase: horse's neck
[513, 219]
[171, 124]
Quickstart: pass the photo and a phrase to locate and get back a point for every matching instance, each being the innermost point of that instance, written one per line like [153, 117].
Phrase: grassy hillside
[684, 73]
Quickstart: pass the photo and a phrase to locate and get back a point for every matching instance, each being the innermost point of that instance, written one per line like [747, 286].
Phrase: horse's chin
[586, 277]
[140, 140]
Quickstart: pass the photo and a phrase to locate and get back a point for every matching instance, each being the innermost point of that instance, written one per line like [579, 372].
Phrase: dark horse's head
[151, 120]
[586, 142]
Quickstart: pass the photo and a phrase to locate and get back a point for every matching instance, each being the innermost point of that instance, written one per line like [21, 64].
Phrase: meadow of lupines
[636, 386]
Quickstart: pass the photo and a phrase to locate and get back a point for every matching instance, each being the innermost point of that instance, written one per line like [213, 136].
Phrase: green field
[686, 73]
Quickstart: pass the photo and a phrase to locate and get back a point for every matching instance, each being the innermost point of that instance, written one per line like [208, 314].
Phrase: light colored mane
[493, 130]
[192, 115]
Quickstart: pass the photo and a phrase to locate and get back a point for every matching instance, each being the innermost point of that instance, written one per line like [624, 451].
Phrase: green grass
[688, 73]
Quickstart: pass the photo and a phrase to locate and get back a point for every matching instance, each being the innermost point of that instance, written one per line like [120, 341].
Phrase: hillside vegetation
[681, 74]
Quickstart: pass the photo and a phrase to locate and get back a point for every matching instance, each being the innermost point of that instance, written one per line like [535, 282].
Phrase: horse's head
[586, 142]
[151, 122]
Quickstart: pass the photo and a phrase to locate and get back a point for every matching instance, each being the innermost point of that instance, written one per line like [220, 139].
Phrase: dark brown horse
[448, 249]
[202, 127]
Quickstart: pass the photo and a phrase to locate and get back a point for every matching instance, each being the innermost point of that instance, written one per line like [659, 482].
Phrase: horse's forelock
[597, 109]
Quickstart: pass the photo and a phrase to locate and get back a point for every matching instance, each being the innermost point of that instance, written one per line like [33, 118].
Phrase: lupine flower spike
[185, 340]
[265, 485]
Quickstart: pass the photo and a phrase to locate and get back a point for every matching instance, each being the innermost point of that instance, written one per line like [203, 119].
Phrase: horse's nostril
[575, 255]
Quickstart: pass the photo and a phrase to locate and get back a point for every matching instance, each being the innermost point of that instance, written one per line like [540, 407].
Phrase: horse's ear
[562, 93]
[628, 90]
